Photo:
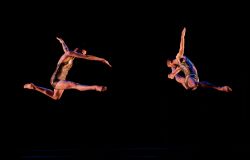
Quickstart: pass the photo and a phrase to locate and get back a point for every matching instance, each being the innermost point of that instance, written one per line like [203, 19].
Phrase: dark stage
[143, 114]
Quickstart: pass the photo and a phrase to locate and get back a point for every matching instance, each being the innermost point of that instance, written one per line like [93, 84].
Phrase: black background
[143, 115]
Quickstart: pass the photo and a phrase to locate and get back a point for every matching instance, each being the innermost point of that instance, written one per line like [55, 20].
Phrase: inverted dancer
[58, 79]
[190, 80]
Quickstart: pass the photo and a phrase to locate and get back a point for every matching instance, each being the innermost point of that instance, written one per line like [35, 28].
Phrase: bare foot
[101, 88]
[225, 89]
[29, 86]
[104, 88]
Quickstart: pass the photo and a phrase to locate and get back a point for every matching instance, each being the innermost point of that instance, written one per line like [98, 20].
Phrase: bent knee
[180, 79]
[56, 98]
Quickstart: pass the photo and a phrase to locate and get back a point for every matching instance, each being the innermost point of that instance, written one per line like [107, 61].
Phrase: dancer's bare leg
[56, 94]
[178, 78]
[61, 86]
[73, 85]
[205, 84]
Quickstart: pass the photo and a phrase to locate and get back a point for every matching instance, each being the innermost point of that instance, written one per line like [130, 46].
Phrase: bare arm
[65, 47]
[174, 72]
[88, 57]
[182, 45]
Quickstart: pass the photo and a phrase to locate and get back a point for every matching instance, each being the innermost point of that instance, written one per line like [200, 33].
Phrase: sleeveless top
[62, 70]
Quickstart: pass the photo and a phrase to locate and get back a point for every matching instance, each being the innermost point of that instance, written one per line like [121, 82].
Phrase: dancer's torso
[63, 68]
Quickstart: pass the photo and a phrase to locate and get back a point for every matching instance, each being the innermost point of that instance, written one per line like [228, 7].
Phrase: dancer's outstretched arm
[88, 57]
[65, 47]
[182, 46]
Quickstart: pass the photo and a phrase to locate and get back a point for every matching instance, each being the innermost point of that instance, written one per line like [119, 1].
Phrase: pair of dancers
[181, 63]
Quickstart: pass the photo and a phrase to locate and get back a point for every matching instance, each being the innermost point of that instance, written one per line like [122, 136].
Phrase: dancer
[190, 80]
[58, 79]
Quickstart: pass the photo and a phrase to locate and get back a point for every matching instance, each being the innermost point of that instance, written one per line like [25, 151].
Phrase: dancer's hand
[106, 62]
[184, 31]
[60, 39]
[171, 76]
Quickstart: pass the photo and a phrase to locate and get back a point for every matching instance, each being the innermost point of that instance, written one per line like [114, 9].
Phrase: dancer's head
[84, 52]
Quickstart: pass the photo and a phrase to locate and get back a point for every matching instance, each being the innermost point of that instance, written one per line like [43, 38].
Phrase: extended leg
[72, 85]
[61, 86]
[205, 84]
[56, 94]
